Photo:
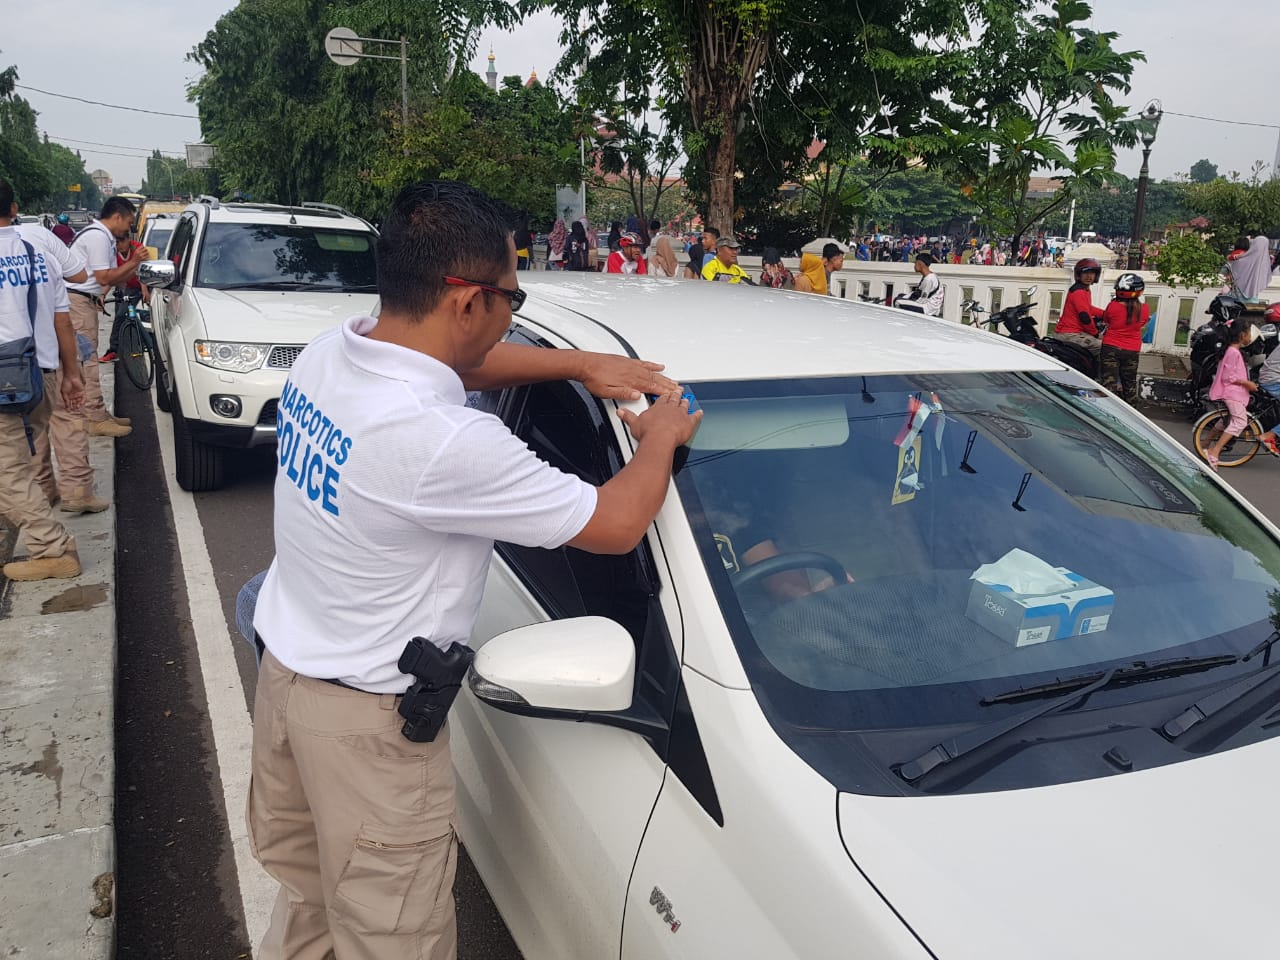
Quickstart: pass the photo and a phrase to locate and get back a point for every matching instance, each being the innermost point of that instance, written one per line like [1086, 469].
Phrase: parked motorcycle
[1017, 320]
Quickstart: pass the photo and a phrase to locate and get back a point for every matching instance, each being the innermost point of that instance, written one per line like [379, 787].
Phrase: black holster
[437, 677]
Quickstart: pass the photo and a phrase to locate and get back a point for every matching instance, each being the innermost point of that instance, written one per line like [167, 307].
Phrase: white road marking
[232, 726]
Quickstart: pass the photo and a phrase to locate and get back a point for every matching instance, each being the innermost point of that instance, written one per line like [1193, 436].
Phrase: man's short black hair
[831, 250]
[117, 205]
[713, 231]
[926, 258]
[771, 255]
[655, 225]
[437, 229]
[6, 197]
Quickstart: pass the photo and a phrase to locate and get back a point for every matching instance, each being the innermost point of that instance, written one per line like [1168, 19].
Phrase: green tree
[747, 85]
[169, 177]
[1038, 97]
[21, 159]
[290, 125]
[517, 144]
[1202, 171]
[1236, 206]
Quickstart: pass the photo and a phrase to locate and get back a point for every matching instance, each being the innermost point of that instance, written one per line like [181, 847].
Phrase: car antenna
[866, 394]
[293, 220]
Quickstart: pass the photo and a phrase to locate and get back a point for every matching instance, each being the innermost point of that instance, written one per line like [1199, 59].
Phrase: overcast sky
[1200, 60]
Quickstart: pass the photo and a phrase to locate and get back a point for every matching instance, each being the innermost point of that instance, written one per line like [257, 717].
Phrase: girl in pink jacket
[1231, 385]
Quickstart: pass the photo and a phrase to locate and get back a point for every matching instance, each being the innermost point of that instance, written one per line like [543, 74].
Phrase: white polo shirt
[98, 244]
[389, 495]
[16, 273]
[70, 260]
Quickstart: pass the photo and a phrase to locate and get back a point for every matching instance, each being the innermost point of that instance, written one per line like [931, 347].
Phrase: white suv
[245, 287]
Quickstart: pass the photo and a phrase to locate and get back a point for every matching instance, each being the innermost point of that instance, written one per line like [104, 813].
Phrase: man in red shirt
[62, 229]
[627, 258]
[1079, 321]
[132, 287]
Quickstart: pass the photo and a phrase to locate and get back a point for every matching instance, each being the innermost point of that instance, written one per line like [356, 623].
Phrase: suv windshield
[244, 255]
[922, 544]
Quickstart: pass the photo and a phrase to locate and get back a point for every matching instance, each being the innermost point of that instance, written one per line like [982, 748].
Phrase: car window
[937, 540]
[241, 254]
[180, 249]
[158, 237]
[569, 429]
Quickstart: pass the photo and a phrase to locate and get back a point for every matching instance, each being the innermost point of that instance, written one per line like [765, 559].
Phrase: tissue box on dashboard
[1024, 619]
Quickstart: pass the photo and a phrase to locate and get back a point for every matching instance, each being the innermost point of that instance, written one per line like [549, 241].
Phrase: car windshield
[926, 542]
[243, 255]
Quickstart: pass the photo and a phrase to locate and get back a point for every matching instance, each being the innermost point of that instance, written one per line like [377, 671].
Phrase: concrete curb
[57, 743]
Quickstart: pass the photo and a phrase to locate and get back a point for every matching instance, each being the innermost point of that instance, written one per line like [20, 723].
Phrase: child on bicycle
[1231, 385]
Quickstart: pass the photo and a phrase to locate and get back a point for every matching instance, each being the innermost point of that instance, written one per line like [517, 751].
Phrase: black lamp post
[1151, 115]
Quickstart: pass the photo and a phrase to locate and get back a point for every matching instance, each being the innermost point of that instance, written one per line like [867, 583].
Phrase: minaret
[491, 75]
[533, 78]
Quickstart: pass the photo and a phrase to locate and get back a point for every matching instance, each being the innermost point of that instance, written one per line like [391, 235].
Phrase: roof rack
[213, 202]
[331, 207]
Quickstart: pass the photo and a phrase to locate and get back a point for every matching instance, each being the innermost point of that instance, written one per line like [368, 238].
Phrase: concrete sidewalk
[57, 743]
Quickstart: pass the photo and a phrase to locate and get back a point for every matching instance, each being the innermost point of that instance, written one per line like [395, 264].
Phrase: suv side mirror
[560, 667]
[157, 273]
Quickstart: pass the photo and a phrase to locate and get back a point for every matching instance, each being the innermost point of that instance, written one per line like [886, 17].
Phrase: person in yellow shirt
[724, 265]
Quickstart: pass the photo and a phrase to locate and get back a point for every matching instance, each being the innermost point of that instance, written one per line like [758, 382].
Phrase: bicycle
[137, 348]
[1237, 452]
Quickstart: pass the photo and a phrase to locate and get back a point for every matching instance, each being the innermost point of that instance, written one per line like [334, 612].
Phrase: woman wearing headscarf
[1251, 272]
[662, 258]
[577, 250]
[555, 243]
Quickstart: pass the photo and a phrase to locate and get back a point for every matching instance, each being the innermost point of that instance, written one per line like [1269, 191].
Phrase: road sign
[199, 155]
[74, 188]
[343, 45]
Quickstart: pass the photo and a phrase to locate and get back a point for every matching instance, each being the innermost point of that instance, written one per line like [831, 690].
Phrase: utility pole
[344, 47]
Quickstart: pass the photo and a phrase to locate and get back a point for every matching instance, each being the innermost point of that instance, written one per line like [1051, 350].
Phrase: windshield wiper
[1220, 700]
[950, 750]
[264, 285]
[1137, 672]
[1076, 688]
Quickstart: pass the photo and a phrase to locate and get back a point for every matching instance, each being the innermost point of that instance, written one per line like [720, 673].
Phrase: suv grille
[282, 358]
[268, 415]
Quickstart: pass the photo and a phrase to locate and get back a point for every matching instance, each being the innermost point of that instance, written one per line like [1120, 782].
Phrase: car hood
[264, 316]
[1170, 862]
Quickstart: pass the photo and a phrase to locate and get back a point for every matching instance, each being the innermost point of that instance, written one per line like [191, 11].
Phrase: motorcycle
[1017, 320]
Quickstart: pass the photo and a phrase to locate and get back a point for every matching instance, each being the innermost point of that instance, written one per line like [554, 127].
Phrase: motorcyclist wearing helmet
[627, 258]
[63, 231]
[1125, 317]
[1079, 321]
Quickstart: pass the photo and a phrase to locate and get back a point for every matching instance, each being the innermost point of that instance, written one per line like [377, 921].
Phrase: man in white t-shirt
[25, 268]
[390, 494]
[98, 242]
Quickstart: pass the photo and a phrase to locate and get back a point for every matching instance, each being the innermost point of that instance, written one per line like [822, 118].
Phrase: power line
[122, 146]
[114, 153]
[99, 103]
[1237, 123]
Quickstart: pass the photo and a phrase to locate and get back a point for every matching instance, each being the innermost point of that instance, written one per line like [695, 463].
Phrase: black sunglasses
[515, 297]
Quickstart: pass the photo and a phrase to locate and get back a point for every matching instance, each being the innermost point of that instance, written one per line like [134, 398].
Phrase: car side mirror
[557, 668]
[157, 273]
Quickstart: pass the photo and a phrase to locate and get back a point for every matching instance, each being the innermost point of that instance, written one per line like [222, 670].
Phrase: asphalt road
[177, 883]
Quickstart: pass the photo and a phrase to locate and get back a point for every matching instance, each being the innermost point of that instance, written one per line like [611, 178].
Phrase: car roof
[278, 213]
[713, 331]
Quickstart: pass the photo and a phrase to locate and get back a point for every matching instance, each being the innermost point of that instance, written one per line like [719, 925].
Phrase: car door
[166, 310]
[553, 812]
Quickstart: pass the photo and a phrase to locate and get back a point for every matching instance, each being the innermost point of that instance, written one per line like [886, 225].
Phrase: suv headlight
[236, 357]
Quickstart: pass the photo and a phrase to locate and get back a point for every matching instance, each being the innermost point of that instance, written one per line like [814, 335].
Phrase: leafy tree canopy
[1202, 171]
[1038, 97]
[1236, 206]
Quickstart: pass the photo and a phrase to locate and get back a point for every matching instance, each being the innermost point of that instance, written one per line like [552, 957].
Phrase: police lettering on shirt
[312, 447]
[15, 271]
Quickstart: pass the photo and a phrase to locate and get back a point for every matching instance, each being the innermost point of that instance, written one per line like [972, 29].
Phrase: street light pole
[1151, 115]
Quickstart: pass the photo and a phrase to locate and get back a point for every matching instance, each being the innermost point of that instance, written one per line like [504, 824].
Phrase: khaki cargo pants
[21, 498]
[354, 821]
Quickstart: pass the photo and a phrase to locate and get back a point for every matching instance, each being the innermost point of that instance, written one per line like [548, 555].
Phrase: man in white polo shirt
[98, 242]
[26, 269]
[390, 493]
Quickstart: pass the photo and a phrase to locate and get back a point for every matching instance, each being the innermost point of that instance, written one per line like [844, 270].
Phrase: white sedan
[936, 649]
